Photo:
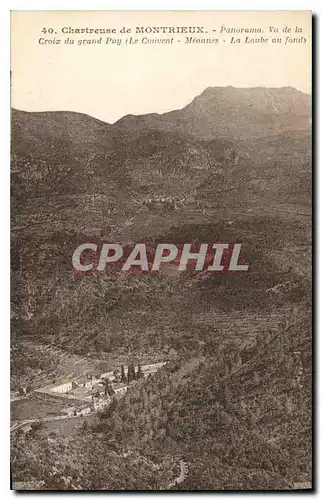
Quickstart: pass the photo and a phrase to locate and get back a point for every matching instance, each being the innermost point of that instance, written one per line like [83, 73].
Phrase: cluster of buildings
[94, 392]
[168, 202]
[98, 391]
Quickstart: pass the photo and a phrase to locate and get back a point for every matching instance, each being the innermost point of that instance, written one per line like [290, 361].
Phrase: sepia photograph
[161, 251]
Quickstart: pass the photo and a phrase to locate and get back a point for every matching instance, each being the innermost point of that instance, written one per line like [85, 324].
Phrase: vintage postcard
[161, 177]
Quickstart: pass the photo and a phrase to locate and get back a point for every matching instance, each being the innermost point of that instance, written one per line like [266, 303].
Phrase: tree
[139, 373]
[36, 426]
[130, 372]
[123, 377]
[117, 376]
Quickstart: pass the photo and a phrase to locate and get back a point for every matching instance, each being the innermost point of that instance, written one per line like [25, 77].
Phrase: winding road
[182, 476]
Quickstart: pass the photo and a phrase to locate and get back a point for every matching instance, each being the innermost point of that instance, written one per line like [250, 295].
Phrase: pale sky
[110, 81]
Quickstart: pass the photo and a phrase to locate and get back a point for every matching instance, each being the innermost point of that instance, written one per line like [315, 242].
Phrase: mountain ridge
[206, 91]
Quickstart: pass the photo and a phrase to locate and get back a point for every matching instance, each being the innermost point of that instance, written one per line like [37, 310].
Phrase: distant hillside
[75, 178]
[233, 113]
[193, 155]
[42, 130]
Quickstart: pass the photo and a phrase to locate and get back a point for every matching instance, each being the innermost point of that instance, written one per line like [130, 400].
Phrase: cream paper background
[108, 81]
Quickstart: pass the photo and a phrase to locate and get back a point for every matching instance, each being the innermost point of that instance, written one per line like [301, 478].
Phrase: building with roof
[120, 389]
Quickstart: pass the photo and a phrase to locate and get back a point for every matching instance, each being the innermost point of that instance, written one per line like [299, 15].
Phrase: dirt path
[18, 425]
